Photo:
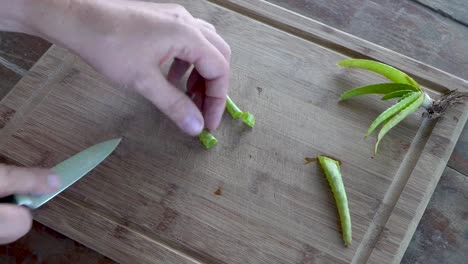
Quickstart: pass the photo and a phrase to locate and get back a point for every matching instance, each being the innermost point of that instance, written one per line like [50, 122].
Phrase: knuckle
[181, 10]
[180, 14]
[185, 52]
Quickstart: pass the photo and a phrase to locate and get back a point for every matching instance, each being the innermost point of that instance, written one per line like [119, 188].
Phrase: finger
[213, 107]
[196, 90]
[205, 24]
[208, 61]
[214, 68]
[172, 102]
[177, 71]
[18, 180]
[15, 222]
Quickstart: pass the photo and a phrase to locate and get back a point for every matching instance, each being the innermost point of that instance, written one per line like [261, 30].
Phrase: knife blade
[69, 171]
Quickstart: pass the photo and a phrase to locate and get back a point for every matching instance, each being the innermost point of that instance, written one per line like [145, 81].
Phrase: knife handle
[21, 200]
[10, 199]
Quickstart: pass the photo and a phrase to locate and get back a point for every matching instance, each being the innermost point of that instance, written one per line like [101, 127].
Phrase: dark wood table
[432, 31]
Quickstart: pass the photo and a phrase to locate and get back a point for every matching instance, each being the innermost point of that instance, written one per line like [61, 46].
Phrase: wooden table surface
[409, 27]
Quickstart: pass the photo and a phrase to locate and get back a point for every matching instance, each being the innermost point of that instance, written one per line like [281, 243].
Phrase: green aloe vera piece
[380, 88]
[331, 168]
[207, 139]
[232, 108]
[392, 111]
[389, 72]
[235, 112]
[396, 94]
[397, 118]
[248, 119]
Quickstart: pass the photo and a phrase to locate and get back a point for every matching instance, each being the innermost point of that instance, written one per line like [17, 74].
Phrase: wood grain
[342, 42]
[431, 31]
[153, 200]
[454, 9]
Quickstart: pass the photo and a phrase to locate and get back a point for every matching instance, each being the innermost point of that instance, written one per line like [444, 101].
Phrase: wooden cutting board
[161, 198]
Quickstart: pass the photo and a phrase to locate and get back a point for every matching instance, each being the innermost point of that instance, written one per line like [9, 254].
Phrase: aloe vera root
[438, 107]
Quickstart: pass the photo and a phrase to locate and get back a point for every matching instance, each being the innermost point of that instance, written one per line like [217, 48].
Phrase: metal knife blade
[70, 171]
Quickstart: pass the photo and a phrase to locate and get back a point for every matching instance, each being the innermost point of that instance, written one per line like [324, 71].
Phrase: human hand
[129, 42]
[15, 221]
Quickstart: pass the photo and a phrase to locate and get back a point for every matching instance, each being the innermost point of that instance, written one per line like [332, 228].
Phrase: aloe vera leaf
[207, 139]
[397, 118]
[331, 168]
[396, 94]
[388, 71]
[404, 97]
[380, 88]
[248, 119]
[232, 108]
[392, 111]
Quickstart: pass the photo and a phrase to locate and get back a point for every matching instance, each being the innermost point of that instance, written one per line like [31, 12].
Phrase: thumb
[172, 102]
[15, 222]
[19, 180]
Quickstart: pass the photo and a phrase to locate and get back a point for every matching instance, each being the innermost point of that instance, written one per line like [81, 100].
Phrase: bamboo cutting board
[161, 198]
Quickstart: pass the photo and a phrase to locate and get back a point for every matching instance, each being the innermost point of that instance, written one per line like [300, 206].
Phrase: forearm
[43, 18]
[12, 13]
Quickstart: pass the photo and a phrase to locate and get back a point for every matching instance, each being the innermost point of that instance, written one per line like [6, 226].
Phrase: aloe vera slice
[207, 139]
[248, 119]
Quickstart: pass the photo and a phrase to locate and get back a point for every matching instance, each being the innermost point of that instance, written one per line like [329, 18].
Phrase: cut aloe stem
[248, 119]
[207, 139]
[235, 112]
[332, 171]
[232, 108]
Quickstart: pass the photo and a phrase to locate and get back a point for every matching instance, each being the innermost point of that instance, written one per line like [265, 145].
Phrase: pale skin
[128, 42]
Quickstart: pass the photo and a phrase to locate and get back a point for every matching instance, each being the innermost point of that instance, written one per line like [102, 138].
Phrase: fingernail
[53, 181]
[192, 125]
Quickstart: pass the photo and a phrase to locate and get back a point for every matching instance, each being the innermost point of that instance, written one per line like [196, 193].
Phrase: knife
[69, 171]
